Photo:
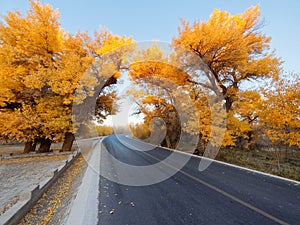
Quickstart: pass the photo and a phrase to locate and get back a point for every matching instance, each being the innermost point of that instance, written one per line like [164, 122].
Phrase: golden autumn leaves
[44, 70]
[232, 50]
[41, 68]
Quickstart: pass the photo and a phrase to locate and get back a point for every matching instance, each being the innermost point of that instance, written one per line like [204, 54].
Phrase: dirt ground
[18, 175]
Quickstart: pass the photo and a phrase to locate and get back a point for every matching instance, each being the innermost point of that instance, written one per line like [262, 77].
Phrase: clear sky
[158, 20]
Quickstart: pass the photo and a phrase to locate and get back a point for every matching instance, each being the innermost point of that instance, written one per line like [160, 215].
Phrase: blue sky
[158, 20]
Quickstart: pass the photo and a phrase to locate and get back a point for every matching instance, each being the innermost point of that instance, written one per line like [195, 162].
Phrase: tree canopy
[233, 47]
[45, 70]
[194, 89]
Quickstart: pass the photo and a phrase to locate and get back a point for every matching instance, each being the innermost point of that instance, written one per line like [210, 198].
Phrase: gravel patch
[17, 175]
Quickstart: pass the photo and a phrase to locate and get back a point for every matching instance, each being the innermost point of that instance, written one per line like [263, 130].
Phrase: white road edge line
[248, 205]
[238, 167]
[224, 163]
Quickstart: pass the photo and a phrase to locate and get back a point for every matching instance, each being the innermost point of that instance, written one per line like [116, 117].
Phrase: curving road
[222, 194]
[131, 182]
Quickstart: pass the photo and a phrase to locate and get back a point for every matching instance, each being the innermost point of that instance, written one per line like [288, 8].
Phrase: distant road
[221, 194]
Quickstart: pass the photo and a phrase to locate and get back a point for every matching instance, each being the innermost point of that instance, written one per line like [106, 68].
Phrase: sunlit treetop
[233, 48]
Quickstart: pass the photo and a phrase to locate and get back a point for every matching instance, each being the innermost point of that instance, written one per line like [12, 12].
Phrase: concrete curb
[30, 196]
[84, 210]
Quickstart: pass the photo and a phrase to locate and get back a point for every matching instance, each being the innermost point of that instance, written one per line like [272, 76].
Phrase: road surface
[221, 194]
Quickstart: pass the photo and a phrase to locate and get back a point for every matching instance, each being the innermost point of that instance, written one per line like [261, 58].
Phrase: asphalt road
[171, 195]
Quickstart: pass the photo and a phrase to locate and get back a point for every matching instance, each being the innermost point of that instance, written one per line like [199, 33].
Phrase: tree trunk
[177, 143]
[250, 140]
[29, 146]
[45, 145]
[228, 103]
[201, 146]
[229, 94]
[68, 142]
[278, 161]
[34, 145]
[196, 152]
[168, 141]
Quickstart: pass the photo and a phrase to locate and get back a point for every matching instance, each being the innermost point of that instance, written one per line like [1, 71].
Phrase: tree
[70, 70]
[166, 92]
[110, 53]
[30, 46]
[281, 110]
[168, 122]
[104, 130]
[44, 71]
[158, 78]
[232, 47]
[140, 131]
[245, 120]
[230, 50]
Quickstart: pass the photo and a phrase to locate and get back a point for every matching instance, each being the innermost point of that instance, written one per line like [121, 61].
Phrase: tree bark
[45, 145]
[29, 146]
[201, 146]
[68, 142]
[228, 103]
[168, 142]
[196, 152]
[34, 145]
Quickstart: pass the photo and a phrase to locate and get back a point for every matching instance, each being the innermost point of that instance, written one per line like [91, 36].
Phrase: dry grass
[264, 161]
[46, 158]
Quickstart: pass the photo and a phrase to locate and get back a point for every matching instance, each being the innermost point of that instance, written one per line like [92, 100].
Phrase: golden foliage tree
[104, 130]
[30, 46]
[159, 78]
[243, 120]
[140, 131]
[110, 53]
[168, 93]
[233, 50]
[281, 110]
[232, 47]
[42, 68]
